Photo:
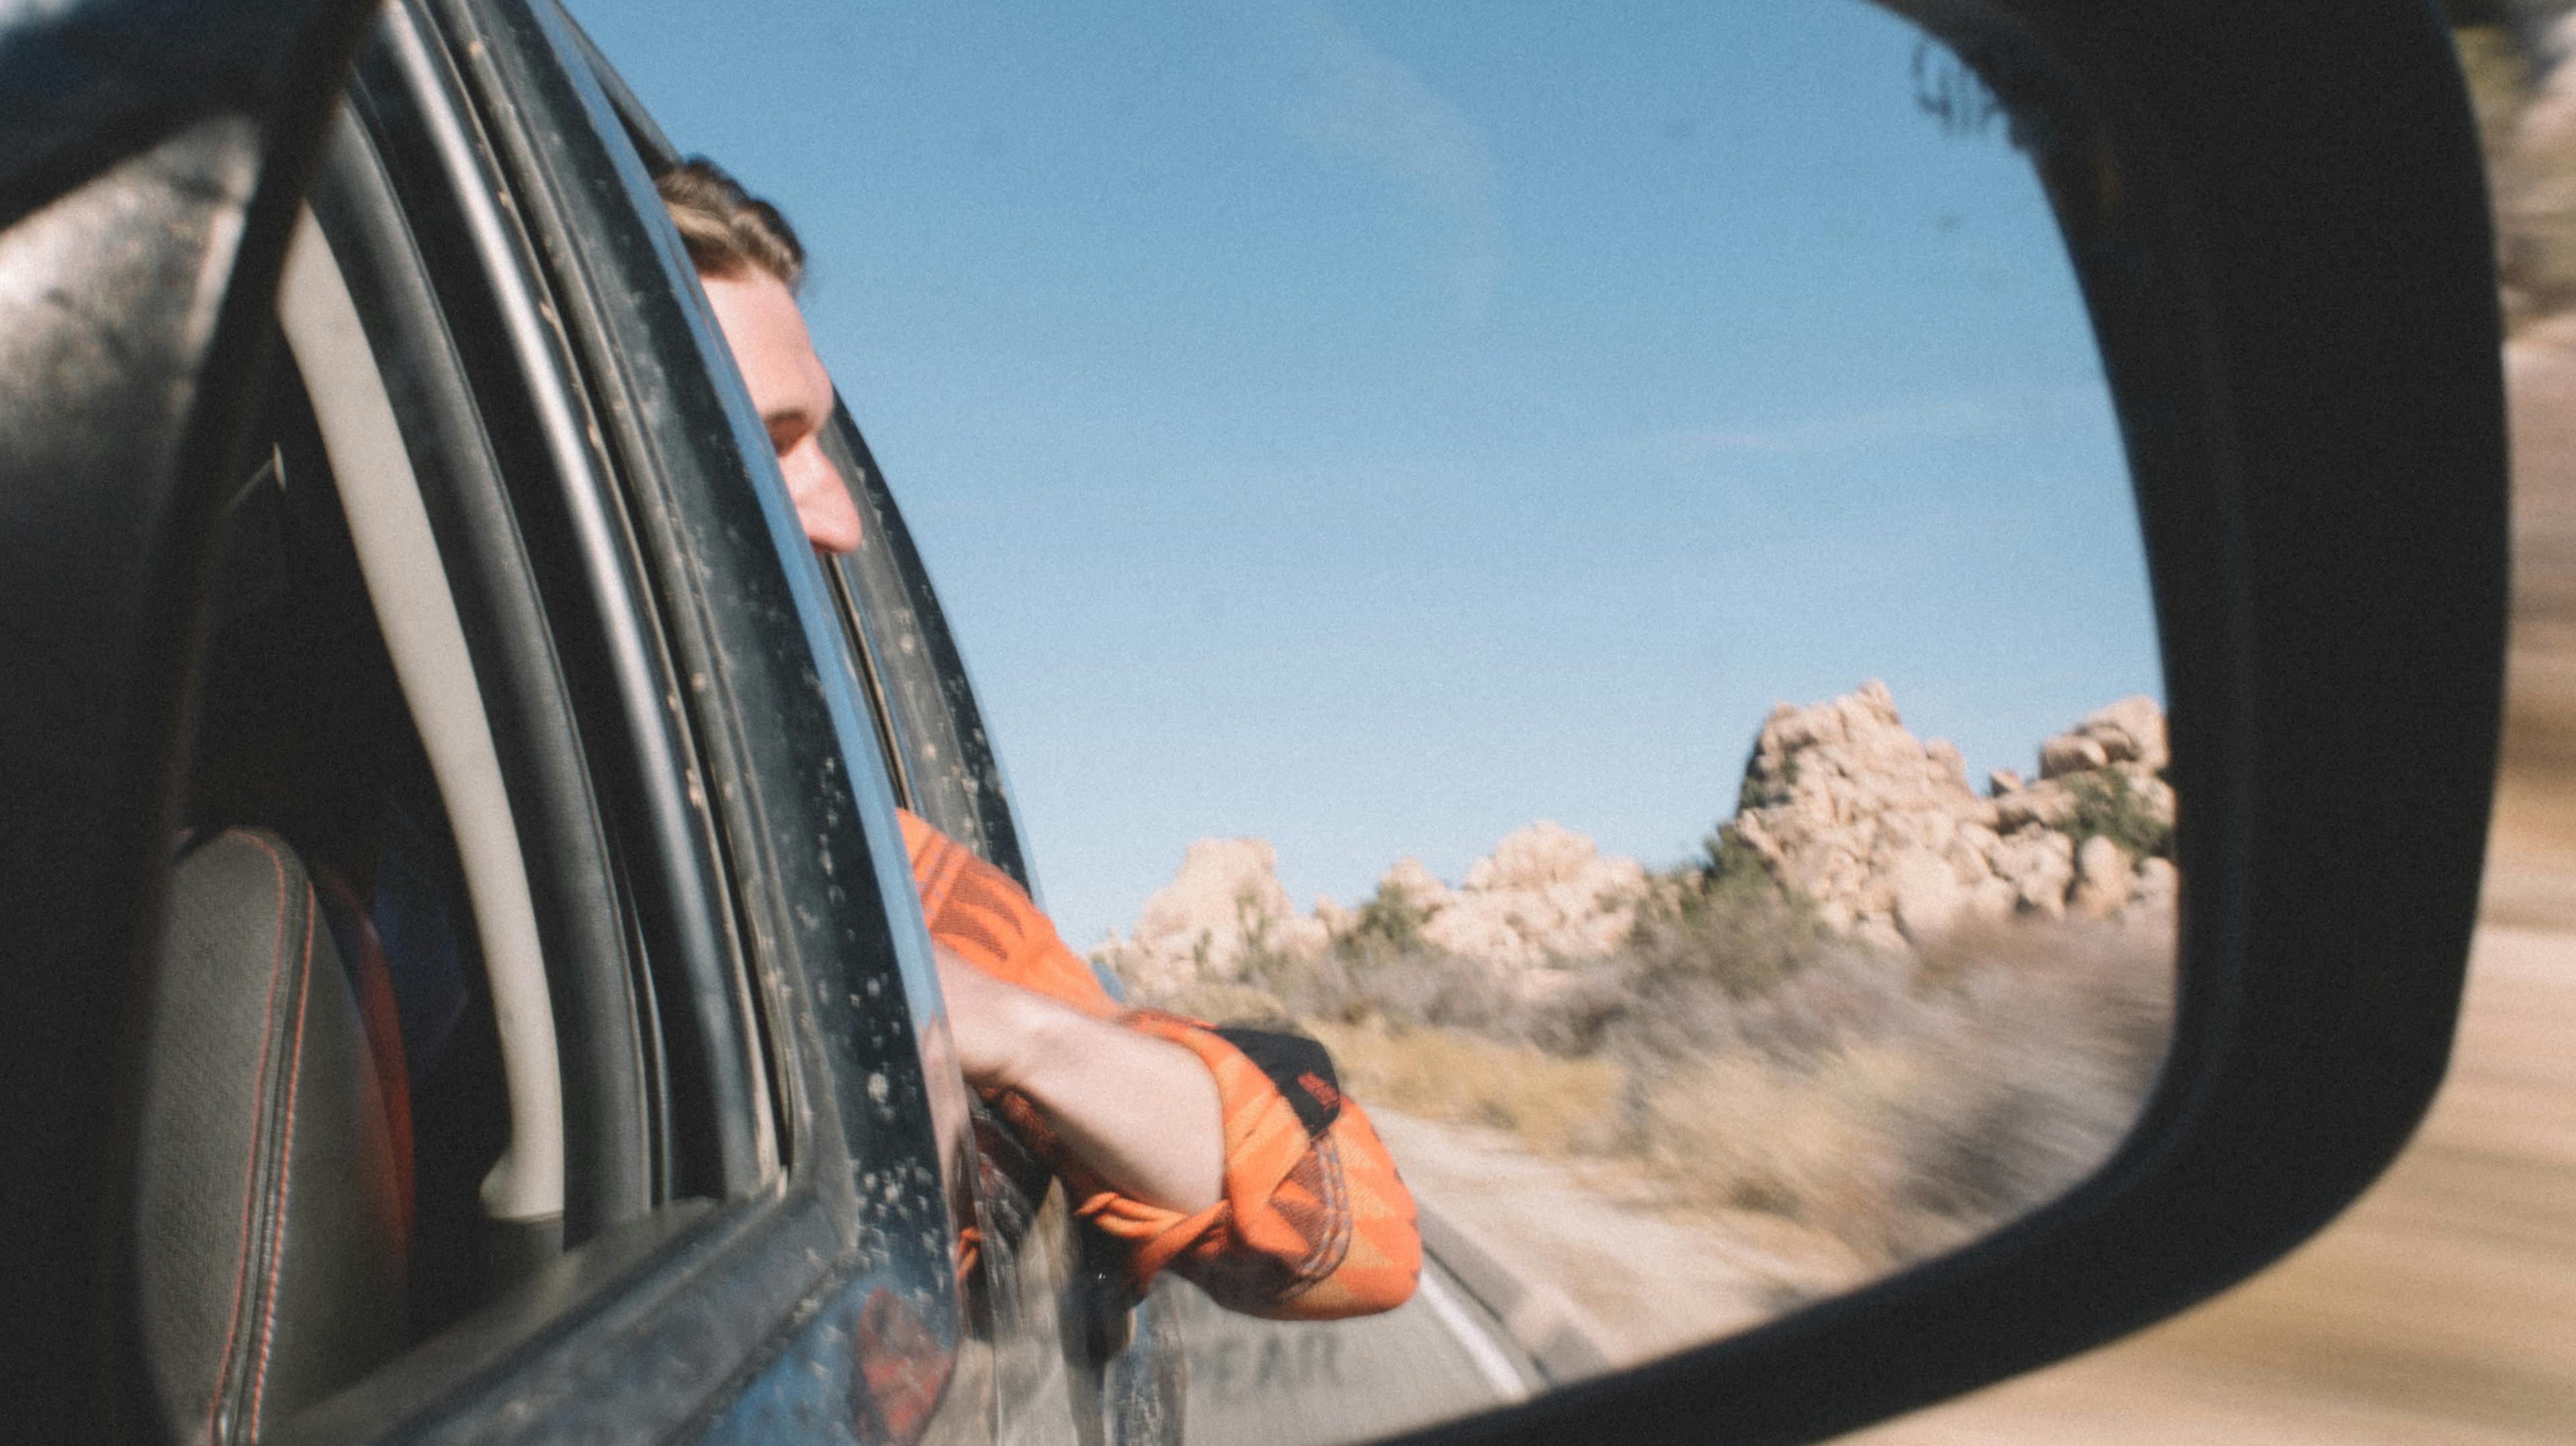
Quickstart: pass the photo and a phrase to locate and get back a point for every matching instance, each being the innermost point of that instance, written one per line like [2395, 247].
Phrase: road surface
[1269, 1383]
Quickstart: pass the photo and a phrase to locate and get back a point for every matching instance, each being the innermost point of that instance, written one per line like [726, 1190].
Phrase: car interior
[342, 1109]
[354, 1107]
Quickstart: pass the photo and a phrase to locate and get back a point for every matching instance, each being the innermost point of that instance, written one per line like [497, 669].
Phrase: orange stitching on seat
[285, 1166]
[250, 1167]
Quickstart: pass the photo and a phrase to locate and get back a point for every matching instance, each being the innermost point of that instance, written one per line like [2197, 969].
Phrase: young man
[1227, 1154]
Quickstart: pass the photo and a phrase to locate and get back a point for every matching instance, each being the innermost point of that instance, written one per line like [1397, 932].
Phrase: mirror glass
[1582, 558]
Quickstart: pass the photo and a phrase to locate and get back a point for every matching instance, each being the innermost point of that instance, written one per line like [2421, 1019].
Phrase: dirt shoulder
[2440, 1309]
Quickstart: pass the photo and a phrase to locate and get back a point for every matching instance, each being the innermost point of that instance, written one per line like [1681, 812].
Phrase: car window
[631, 867]
[305, 736]
[399, 1124]
[746, 814]
[457, 1050]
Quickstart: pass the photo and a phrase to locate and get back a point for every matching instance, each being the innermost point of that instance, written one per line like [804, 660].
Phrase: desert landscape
[1883, 1013]
[1891, 1007]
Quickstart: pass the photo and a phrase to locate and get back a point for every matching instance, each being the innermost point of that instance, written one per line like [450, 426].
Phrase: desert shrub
[1389, 919]
[2049, 1042]
[1897, 1115]
[2106, 804]
[1228, 1002]
[1817, 1144]
[1707, 946]
[1367, 978]
[1741, 1057]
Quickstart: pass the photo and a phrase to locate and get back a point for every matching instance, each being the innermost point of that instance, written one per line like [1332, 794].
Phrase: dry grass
[1554, 1104]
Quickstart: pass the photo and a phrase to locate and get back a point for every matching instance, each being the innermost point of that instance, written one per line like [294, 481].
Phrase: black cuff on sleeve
[1299, 1067]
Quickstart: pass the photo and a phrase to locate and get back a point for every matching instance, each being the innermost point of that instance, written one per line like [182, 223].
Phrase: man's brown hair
[726, 228]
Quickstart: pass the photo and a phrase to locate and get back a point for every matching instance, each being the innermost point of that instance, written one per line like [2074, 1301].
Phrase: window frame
[638, 519]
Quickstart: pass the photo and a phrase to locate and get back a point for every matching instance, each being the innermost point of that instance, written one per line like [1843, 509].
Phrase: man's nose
[823, 504]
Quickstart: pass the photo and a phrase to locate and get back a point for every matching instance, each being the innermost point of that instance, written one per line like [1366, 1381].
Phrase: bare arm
[1141, 1112]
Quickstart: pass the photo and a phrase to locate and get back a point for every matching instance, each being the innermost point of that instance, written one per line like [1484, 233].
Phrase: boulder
[1223, 903]
[1545, 895]
[2159, 882]
[2130, 731]
[2039, 864]
[2040, 806]
[1885, 837]
[1413, 883]
[1928, 896]
[2102, 878]
[2071, 753]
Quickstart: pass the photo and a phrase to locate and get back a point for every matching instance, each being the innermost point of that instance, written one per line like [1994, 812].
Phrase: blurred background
[2442, 1307]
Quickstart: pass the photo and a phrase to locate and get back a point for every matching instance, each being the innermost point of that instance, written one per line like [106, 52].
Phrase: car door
[762, 883]
[722, 1191]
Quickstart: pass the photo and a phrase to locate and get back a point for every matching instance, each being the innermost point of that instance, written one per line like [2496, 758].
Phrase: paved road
[1536, 1274]
[1270, 1383]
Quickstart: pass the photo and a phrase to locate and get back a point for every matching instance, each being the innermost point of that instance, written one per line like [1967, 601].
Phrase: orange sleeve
[1315, 1223]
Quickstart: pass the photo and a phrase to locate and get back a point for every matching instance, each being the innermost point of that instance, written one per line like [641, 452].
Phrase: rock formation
[1882, 833]
[1840, 806]
[1225, 902]
[1544, 896]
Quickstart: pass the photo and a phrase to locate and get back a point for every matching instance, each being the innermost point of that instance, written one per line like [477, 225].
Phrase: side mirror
[2280, 224]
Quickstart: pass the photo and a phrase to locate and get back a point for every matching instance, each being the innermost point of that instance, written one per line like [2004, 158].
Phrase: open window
[436, 1022]
[337, 1098]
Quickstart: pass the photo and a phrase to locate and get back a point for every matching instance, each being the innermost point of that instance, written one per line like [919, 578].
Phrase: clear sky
[1375, 429]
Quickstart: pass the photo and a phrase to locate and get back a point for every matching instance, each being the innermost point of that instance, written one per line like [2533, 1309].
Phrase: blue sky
[1374, 429]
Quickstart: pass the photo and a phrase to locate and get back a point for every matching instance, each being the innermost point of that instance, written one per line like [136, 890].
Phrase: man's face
[794, 395]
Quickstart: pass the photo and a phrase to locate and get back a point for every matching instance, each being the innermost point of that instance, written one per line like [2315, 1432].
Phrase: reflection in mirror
[1387, 470]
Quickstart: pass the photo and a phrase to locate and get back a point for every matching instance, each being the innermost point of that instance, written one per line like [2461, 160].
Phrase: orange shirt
[1314, 1222]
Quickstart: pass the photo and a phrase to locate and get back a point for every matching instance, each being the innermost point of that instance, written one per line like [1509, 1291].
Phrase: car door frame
[822, 944]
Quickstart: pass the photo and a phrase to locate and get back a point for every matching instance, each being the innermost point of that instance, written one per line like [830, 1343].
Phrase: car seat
[274, 1208]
